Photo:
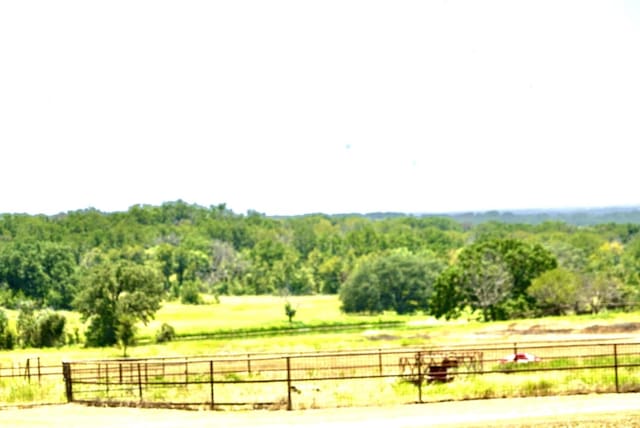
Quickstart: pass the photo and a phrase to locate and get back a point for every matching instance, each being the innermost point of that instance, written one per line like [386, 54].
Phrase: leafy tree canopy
[114, 293]
[397, 280]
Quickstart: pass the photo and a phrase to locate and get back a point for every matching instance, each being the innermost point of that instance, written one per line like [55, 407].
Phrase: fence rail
[367, 377]
[29, 369]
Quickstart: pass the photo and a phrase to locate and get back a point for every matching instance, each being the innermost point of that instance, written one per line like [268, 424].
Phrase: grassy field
[266, 313]
[241, 313]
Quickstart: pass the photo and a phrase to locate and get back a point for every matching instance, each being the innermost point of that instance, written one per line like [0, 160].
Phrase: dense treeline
[88, 259]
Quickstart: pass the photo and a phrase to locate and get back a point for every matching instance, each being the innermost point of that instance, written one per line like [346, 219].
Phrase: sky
[294, 107]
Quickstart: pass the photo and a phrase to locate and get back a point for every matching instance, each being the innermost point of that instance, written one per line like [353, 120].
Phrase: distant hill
[576, 216]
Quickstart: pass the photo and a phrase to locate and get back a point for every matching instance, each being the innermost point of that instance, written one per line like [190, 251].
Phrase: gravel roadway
[595, 410]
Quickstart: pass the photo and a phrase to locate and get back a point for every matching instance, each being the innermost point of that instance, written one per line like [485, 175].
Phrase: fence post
[380, 360]
[515, 349]
[211, 382]
[68, 384]
[249, 363]
[615, 365]
[106, 379]
[140, 382]
[120, 372]
[28, 370]
[39, 372]
[289, 404]
[419, 367]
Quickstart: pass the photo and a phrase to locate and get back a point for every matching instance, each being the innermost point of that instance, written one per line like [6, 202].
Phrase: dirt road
[585, 410]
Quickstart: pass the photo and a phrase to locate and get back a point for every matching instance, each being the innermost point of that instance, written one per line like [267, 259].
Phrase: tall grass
[21, 391]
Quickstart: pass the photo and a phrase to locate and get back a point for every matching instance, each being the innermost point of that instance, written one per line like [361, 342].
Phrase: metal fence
[29, 369]
[368, 377]
[29, 381]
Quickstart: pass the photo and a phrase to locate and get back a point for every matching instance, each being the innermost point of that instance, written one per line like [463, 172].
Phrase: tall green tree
[114, 293]
[555, 291]
[398, 280]
[487, 282]
[493, 276]
[449, 295]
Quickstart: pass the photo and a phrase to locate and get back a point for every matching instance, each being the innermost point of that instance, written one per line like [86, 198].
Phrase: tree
[555, 291]
[290, 311]
[226, 268]
[398, 280]
[126, 332]
[601, 290]
[631, 261]
[487, 282]
[496, 275]
[448, 296]
[327, 271]
[361, 292]
[114, 293]
[43, 272]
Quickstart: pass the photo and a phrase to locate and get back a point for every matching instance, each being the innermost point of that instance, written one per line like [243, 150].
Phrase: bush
[40, 330]
[26, 324]
[7, 337]
[50, 329]
[165, 334]
[190, 294]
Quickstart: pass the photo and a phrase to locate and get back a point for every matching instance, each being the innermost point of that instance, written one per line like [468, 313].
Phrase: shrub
[190, 294]
[40, 330]
[166, 333]
[26, 324]
[290, 311]
[50, 329]
[7, 337]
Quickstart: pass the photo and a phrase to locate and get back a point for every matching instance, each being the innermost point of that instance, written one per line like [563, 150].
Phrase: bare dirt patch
[559, 330]
[627, 327]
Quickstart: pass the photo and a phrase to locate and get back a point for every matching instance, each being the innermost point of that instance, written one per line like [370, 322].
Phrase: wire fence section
[29, 369]
[30, 381]
[368, 377]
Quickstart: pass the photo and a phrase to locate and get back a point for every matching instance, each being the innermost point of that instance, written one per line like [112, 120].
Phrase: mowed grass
[242, 312]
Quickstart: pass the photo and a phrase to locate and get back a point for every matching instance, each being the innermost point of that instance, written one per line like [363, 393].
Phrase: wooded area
[116, 268]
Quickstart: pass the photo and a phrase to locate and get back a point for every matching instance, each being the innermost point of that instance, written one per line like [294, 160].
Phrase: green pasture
[266, 315]
[253, 312]
[236, 315]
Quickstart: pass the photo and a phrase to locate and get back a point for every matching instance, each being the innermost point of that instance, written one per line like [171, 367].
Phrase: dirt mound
[627, 327]
[539, 329]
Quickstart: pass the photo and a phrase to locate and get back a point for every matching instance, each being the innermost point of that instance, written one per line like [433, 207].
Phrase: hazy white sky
[289, 107]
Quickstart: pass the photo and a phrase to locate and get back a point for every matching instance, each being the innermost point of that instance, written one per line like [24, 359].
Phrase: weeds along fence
[370, 377]
[28, 381]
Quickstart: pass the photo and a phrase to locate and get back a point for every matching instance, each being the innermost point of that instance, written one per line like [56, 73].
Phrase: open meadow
[257, 325]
